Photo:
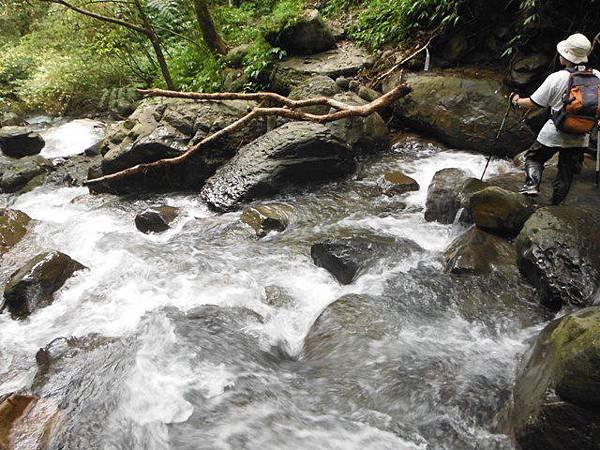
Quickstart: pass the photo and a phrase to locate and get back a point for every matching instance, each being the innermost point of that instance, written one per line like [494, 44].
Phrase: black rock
[21, 171]
[17, 142]
[33, 285]
[157, 219]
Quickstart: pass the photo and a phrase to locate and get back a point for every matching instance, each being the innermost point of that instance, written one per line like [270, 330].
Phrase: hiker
[563, 133]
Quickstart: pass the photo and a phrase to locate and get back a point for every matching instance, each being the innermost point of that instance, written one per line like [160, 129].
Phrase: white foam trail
[71, 138]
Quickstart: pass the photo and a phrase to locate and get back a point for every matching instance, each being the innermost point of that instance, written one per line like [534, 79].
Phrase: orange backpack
[581, 103]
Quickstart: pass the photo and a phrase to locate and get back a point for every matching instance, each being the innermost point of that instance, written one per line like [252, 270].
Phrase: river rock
[556, 398]
[13, 226]
[236, 55]
[165, 128]
[526, 68]
[268, 217]
[156, 219]
[21, 171]
[293, 155]
[346, 258]
[12, 407]
[17, 142]
[500, 211]
[368, 94]
[305, 35]
[33, 285]
[443, 195]
[317, 86]
[462, 111]
[477, 252]
[347, 61]
[559, 253]
[396, 182]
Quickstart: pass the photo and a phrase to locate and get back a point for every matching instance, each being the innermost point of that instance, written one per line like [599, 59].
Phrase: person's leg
[535, 158]
[568, 163]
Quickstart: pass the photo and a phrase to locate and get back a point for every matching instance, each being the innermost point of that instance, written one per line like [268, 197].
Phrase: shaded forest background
[55, 59]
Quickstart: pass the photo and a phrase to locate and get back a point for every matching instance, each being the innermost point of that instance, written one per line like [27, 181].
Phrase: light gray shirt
[550, 94]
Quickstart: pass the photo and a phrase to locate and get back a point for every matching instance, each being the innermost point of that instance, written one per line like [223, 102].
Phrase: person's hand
[514, 98]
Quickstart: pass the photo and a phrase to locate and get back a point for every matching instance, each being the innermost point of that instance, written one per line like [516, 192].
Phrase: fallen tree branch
[289, 110]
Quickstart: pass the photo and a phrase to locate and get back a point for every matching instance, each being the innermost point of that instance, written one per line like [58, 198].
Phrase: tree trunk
[211, 37]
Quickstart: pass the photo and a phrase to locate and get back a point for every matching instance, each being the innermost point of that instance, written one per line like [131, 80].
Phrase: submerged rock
[156, 219]
[477, 252]
[268, 217]
[347, 258]
[306, 35]
[394, 183]
[500, 211]
[463, 111]
[559, 253]
[33, 285]
[556, 400]
[17, 142]
[13, 226]
[341, 61]
[291, 156]
[160, 129]
[21, 171]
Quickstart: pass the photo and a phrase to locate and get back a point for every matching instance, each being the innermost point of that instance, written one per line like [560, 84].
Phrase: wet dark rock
[443, 195]
[165, 128]
[462, 111]
[500, 211]
[346, 258]
[344, 61]
[12, 407]
[156, 219]
[33, 285]
[291, 156]
[13, 226]
[317, 86]
[306, 35]
[395, 183]
[559, 253]
[17, 142]
[361, 134]
[21, 171]
[343, 83]
[268, 217]
[477, 252]
[556, 399]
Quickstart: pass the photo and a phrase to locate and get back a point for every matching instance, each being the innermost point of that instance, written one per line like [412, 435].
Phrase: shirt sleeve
[542, 97]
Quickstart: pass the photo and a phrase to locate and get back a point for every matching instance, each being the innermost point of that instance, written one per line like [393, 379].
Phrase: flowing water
[194, 339]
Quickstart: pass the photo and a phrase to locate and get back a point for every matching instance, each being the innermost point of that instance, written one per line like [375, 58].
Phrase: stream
[194, 338]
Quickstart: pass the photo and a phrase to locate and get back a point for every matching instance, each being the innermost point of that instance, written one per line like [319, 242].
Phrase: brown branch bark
[288, 110]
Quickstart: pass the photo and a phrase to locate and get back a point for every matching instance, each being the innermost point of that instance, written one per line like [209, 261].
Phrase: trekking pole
[498, 134]
[598, 157]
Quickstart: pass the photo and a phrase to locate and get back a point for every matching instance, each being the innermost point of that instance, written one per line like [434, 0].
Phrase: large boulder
[33, 285]
[559, 253]
[305, 35]
[156, 219]
[556, 400]
[477, 252]
[13, 226]
[267, 217]
[500, 211]
[462, 111]
[165, 128]
[317, 86]
[17, 142]
[347, 258]
[293, 155]
[348, 60]
[21, 171]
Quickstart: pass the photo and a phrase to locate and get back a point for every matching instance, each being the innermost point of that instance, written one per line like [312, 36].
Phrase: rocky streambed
[319, 289]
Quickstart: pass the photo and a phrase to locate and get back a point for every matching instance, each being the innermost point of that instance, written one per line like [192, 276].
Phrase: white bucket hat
[575, 48]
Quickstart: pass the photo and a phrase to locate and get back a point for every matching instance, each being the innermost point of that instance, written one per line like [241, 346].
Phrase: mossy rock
[13, 226]
[269, 217]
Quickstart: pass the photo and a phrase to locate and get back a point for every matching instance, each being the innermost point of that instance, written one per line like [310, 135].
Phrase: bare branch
[289, 110]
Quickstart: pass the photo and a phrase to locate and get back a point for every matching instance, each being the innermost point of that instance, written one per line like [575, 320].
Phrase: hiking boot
[530, 190]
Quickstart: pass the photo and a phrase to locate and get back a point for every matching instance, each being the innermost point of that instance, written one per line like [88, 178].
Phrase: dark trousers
[570, 161]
